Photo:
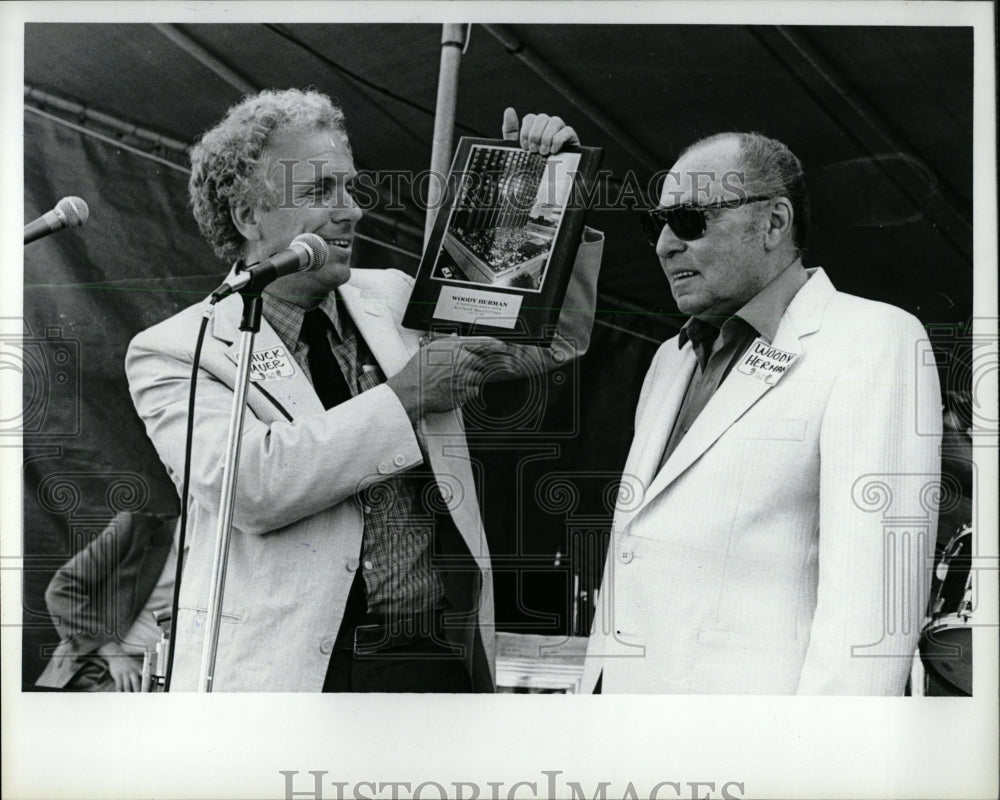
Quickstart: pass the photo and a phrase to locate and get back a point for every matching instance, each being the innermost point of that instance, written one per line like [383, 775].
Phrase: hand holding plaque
[503, 245]
[444, 373]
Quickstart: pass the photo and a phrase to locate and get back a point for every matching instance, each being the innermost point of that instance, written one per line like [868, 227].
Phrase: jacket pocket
[790, 430]
[745, 663]
[202, 613]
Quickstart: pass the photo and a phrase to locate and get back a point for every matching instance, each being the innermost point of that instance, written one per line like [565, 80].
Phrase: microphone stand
[249, 327]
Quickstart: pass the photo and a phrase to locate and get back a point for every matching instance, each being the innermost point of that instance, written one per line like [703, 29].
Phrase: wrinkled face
[313, 172]
[718, 273]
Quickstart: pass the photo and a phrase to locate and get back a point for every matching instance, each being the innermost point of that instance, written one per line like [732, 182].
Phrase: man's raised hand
[538, 133]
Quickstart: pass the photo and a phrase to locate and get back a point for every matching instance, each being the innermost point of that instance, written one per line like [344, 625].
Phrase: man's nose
[349, 211]
[668, 245]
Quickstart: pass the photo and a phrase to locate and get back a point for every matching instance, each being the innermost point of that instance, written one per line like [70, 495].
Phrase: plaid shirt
[399, 522]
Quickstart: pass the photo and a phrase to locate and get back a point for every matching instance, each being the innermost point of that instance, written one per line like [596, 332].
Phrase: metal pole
[453, 38]
[84, 114]
[213, 616]
[198, 52]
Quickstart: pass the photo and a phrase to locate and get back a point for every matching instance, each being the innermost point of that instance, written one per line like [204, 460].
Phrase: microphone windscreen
[317, 249]
[74, 211]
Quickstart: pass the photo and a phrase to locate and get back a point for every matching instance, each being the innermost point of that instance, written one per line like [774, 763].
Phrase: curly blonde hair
[227, 163]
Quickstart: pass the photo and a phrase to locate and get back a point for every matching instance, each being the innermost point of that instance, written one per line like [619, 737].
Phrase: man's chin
[329, 276]
[689, 305]
[303, 288]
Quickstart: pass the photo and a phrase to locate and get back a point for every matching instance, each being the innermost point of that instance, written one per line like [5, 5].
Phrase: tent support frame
[454, 37]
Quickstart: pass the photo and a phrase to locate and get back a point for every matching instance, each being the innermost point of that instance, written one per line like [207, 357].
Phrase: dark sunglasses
[688, 221]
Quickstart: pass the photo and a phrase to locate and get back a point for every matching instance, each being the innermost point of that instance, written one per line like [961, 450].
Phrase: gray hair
[772, 169]
[227, 163]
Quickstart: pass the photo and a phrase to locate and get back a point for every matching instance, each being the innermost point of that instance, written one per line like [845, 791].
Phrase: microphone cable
[185, 490]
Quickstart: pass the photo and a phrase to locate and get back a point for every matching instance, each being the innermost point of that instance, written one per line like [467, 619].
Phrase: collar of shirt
[763, 312]
[286, 318]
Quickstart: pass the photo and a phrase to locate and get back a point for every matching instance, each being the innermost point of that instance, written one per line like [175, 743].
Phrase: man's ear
[244, 217]
[779, 222]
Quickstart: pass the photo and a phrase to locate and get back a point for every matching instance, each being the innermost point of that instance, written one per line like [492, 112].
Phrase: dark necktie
[330, 385]
[328, 380]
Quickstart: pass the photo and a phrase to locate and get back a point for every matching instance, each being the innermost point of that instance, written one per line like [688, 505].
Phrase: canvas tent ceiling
[881, 117]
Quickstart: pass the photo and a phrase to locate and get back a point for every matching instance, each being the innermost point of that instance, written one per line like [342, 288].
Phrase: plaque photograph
[503, 244]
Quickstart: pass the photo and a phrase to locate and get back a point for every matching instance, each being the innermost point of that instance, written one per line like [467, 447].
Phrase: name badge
[271, 364]
[764, 362]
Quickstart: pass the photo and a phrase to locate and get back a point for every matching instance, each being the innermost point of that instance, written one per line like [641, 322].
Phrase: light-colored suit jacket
[297, 528]
[785, 545]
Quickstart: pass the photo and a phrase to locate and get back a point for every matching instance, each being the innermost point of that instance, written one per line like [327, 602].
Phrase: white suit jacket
[785, 545]
[297, 529]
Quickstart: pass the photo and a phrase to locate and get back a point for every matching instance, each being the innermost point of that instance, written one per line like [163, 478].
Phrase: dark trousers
[93, 675]
[370, 655]
[423, 667]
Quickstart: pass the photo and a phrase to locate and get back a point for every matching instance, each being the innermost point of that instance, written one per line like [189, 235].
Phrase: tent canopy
[881, 117]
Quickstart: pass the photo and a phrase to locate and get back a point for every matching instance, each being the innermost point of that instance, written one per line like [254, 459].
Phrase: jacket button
[352, 564]
[369, 565]
[326, 646]
[399, 460]
[626, 556]
[383, 468]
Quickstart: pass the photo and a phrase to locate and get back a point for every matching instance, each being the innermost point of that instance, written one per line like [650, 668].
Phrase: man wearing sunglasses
[777, 438]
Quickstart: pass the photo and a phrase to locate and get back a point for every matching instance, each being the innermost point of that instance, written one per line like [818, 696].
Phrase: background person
[102, 602]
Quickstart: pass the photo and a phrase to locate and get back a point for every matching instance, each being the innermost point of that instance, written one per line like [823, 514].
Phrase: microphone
[70, 212]
[306, 253]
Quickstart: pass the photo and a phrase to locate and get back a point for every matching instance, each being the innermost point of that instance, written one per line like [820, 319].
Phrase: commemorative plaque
[503, 245]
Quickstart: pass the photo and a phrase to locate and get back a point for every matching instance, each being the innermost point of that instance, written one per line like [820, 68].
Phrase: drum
[946, 640]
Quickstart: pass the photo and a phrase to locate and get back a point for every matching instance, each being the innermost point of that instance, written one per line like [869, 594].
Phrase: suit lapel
[391, 346]
[656, 420]
[443, 437]
[735, 396]
[739, 392]
[294, 393]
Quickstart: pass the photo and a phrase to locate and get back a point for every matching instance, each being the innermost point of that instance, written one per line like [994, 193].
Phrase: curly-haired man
[358, 560]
